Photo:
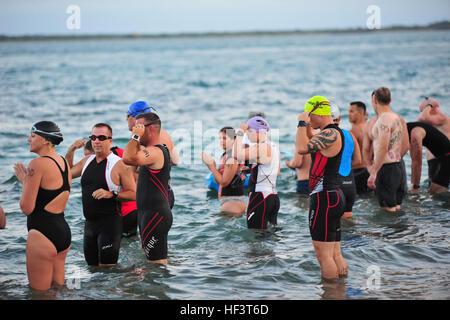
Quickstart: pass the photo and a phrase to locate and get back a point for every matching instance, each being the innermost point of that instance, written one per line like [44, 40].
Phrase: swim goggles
[53, 134]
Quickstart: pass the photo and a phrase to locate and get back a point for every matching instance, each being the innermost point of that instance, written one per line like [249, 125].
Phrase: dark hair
[151, 118]
[383, 95]
[49, 131]
[253, 114]
[101, 125]
[88, 145]
[229, 131]
[359, 105]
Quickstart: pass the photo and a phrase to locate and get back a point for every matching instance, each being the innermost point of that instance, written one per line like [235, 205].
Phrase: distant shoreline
[444, 25]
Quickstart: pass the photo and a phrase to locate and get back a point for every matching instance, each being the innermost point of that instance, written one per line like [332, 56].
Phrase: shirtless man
[387, 173]
[423, 135]
[357, 117]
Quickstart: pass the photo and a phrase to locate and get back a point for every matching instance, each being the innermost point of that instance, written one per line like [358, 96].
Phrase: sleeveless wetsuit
[154, 213]
[326, 201]
[439, 145]
[103, 226]
[264, 203]
[345, 170]
[235, 190]
[51, 225]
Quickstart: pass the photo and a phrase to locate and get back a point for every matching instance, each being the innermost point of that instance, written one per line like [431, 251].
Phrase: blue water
[198, 86]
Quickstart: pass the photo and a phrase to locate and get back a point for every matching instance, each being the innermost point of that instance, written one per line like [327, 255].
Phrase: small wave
[89, 101]
[204, 84]
[11, 180]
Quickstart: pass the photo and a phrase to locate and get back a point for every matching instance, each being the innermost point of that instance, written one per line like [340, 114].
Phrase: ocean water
[199, 85]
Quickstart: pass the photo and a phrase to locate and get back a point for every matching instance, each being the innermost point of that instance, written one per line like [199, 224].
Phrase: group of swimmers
[129, 189]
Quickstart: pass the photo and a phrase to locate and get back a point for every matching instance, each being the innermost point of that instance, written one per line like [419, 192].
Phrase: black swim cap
[49, 131]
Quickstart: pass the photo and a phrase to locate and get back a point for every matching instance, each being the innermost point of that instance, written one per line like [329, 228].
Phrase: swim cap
[318, 105]
[138, 107]
[49, 131]
[335, 113]
[258, 124]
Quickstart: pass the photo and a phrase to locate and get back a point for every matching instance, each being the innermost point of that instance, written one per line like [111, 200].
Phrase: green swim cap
[318, 105]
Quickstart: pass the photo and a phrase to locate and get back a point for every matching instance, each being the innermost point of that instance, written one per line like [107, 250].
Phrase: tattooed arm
[135, 155]
[319, 142]
[30, 178]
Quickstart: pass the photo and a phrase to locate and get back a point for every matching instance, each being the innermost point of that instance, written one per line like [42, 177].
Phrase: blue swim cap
[138, 107]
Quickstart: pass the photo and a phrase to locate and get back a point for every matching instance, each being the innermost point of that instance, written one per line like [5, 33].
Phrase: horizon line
[438, 25]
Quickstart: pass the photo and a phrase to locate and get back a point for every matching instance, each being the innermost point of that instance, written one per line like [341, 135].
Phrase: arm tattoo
[322, 141]
[30, 172]
[146, 153]
[396, 136]
[384, 127]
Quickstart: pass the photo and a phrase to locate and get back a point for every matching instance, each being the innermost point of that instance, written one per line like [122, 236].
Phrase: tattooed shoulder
[322, 140]
[30, 172]
[146, 153]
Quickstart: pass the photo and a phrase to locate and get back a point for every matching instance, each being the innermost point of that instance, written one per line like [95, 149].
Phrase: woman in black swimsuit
[45, 191]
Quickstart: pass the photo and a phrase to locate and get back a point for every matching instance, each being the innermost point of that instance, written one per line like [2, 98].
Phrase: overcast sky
[20, 17]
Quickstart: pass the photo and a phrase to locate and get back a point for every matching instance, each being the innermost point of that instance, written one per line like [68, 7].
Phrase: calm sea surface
[198, 86]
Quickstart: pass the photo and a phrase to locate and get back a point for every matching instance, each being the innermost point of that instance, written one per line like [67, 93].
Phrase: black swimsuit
[51, 225]
[154, 214]
[439, 145]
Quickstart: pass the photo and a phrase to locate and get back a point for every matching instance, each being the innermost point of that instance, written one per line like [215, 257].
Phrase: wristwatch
[302, 123]
[416, 186]
[115, 194]
[136, 137]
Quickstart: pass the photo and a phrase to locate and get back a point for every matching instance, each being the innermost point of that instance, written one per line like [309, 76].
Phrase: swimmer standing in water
[357, 115]
[105, 181]
[387, 173]
[327, 200]
[154, 213]
[228, 176]
[137, 108]
[264, 157]
[45, 191]
[430, 131]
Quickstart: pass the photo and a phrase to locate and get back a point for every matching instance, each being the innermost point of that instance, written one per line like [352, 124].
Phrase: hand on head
[138, 129]
[80, 143]
[304, 116]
